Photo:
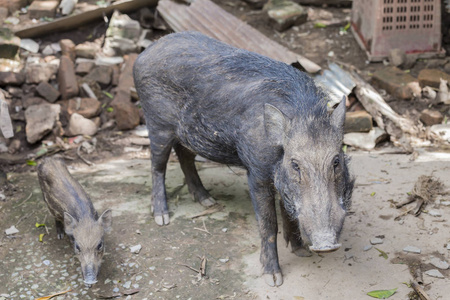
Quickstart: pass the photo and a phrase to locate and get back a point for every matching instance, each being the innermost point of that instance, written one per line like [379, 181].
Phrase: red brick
[41, 9]
[394, 81]
[357, 121]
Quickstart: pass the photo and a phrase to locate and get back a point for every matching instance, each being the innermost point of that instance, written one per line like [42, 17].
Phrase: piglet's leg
[263, 200]
[59, 229]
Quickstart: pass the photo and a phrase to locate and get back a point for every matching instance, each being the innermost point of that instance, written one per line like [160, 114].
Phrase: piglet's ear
[69, 223]
[106, 220]
[338, 115]
[275, 123]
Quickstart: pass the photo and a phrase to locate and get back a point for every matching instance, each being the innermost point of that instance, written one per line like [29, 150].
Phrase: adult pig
[236, 107]
[75, 215]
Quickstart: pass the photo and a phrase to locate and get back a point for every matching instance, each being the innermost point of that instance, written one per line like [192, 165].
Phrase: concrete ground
[228, 238]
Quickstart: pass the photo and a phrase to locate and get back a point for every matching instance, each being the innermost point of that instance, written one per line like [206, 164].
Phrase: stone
[141, 131]
[367, 247]
[67, 48]
[14, 146]
[441, 130]
[412, 249]
[126, 77]
[394, 81]
[440, 264]
[100, 74]
[431, 77]
[40, 120]
[87, 107]
[42, 9]
[434, 213]
[376, 241]
[365, 140]
[67, 6]
[11, 230]
[79, 125]
[285, 14]
[9, 44]
[40, 72]
[357, 121]
[127, 284]
[47, 91]
[84, 68]
[87, 49]
[28, 101]
[136, 249]
[397, 57]
[109, 61]
[122, 35]
[431, 117]
[29, 45]
[119, 46]
[429, 93]
[115, 75]
[12, 78]
[434, 273]
[68, 85]
[125, 112]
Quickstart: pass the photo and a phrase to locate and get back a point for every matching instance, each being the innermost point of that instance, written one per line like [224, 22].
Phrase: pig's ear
[69, 223]
[106, 220]
[338, 115]
[275, 123]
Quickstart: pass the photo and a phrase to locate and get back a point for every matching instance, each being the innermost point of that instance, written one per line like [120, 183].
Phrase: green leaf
[110, 109]
[41, 236]
[31, 163]
[382, 294]
[41, 151]
[382, 253]
[344, 148]
[39, 225]
[347, 26]
[18, 129]
[320, 25]
[373, 194]
[109, 95]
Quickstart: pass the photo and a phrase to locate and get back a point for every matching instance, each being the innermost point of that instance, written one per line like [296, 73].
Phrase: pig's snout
[90, 277]
[324, 242]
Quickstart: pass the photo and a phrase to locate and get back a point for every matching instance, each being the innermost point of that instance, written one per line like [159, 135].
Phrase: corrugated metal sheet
[208, 18]
[337, 82]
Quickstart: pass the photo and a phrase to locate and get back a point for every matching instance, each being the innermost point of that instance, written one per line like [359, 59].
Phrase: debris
[42, 9]
[357, 121]
[136, 249]
[429, 93]
[285, 14]
[431, 117]
[47, 91]
[122, 35]
[412, 249]
[434, 273]
[82, 158]
[29, 45]
[382, 294]
[425, 190]
[79, 125]
[87, 50]
[100, 74]
[68, 85]
[419, 290]
[87, 107]
[87, 89]
[181, 17]
[365, 140]
[208, 211]
[432, 77]
[141, 131]
[443, 95]
[442, 131]
[11, 230]
[440, 264]
[41, 119]
[67, 6]
[376, 241]
[394, 81]
[54, 295]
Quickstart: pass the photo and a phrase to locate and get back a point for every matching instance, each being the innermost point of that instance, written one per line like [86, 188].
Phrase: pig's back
[62, 192]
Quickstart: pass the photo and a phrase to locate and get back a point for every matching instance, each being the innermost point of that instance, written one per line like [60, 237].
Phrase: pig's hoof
[162, 220]
[208, 202]
[60, 236]
[273, 279]
[302, 252]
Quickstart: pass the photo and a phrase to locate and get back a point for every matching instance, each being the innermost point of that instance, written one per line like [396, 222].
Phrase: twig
[403, 214]
[404, 202]
[203, 229]
[189, 267]
[419, 290]
[208, 211]
[82, 158]
[28, 198]
[203, 266]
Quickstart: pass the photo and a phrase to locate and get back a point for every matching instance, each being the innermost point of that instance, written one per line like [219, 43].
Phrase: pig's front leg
[263, 200]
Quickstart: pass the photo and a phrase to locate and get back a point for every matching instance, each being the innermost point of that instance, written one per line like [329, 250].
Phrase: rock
[357, 121]
[285, 14]
[441, 130]
[440, 264]
[127, 284]
[365, 140]
[79, 125]
[367, 248]
[429, 93]
[431, 117]
[125, 112]
[87, 50]
[68, 85]
[122, 35]
[41, 9]
[14, 146]
[255, 4]
[29, 45]
[11, 78]
[67, 48]
[394, 81]
[9, 44]
[84, 68]
[67, 6]
[29, 101]
[434, 213]
[109, 61]
[39, 71]
[434, 273]
[126, 77]
[431, 77]
[11, 230]
[87, 107]
[100, 74]
[40, 120]
[141, 131]
[397, 57]
[412, 249]
[47, 91]
[376, 241]
[136, 249]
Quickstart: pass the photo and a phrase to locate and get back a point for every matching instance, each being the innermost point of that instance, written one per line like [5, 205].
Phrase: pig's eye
[336, 161]
[77, 247]
[100, 246]
[295, 166]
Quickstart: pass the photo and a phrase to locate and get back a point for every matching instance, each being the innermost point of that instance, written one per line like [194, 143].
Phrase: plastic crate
[413, 26]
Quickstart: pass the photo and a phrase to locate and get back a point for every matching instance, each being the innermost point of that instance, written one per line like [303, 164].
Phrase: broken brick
[394, 81]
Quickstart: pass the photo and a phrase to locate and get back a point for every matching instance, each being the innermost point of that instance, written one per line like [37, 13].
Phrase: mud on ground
[231, 243]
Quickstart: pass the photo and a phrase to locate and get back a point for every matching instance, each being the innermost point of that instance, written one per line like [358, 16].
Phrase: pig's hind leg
[195, 185]
[160, 147]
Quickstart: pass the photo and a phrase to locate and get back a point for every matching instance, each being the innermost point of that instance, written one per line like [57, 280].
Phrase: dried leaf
[51, 296]
[382, 294]
[41, 236]
[39, 225]
[382, 253]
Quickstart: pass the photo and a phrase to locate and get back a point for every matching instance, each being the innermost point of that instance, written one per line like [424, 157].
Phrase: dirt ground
[228, 239]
